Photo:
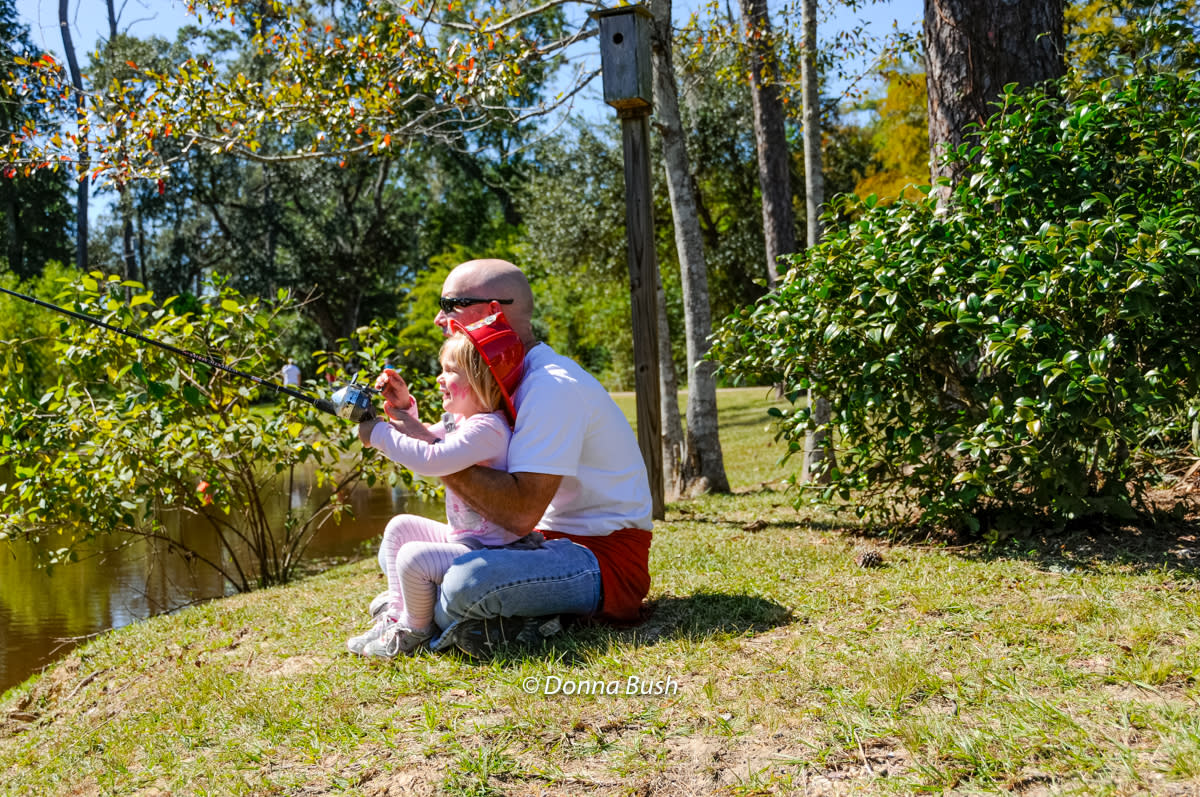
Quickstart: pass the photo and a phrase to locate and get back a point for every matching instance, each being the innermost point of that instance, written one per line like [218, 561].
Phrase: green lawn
[780, 666]
[747, 437]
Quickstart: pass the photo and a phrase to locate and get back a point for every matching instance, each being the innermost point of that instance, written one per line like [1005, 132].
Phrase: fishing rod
[352, 401]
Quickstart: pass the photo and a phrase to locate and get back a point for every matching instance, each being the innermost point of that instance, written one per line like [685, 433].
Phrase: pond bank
[44, 614]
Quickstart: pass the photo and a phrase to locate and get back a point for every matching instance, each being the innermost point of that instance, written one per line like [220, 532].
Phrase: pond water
[44, 614]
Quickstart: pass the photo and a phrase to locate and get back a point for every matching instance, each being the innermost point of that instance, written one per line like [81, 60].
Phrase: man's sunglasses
[451, 303]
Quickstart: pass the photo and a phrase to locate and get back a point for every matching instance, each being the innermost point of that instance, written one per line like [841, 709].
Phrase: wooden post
[626, 68]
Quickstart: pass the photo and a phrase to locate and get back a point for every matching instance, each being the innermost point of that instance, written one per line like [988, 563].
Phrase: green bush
[1012, 356]
[130, 433]
[27, 332]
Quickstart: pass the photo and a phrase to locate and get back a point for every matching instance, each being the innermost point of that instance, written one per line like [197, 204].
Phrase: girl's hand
[396, 398]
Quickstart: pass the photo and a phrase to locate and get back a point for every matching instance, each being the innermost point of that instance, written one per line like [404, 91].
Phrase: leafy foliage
[577, 257]
[325, 80]
[1014, 356]
[900, 137]
[131, 433]
[346, 233]
[719, 124]
[34, 214]
[27, 333]
[1112, 37]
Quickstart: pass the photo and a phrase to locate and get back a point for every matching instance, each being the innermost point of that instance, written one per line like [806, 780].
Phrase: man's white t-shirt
[568, 425]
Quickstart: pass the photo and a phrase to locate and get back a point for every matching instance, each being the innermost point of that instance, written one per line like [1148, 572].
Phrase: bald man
[575, 473]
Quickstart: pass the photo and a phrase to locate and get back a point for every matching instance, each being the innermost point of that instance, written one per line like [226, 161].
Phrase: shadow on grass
[1164, 538]
[1165, 541]
[705, 613]
[696, 616]
[1162, 545]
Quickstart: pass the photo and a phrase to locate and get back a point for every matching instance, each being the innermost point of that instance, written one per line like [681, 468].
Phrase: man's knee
[463, 585]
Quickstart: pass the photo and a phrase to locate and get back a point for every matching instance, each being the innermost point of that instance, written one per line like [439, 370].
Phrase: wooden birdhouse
[625, 57]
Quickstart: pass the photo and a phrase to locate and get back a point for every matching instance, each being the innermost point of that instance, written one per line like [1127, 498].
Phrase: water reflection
[44, 614]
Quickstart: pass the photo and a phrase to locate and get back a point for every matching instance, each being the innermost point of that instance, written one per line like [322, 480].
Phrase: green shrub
[27, 332]
[1011, 356]
[130, 433]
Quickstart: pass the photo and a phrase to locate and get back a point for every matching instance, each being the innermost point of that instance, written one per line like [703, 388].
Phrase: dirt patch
[419, 781]
[289, 667]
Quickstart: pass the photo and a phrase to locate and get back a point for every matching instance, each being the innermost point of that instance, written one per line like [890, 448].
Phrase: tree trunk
[82, 191]
[141, 249]
[814, 189]
[125, 203]
[672, 426]
[770, 138]
[14, 231]
[703, 465]
[14, 234]
[973, 49]
[128, 255]
[814, 169]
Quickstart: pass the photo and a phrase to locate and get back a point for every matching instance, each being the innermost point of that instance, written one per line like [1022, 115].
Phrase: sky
[89, 19]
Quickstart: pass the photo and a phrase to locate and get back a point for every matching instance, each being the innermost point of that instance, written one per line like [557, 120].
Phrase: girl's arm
[409, 424]
[406, 425]
[477, 439]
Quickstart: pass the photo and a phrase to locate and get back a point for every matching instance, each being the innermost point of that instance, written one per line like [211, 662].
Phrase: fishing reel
[353, 402]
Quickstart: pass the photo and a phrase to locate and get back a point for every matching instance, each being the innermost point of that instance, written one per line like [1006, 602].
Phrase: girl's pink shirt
[478, 440]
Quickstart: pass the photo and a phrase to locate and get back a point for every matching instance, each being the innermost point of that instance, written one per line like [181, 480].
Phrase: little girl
[481, 366]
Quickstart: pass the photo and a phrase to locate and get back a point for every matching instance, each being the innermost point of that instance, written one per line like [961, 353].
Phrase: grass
[1050, 667]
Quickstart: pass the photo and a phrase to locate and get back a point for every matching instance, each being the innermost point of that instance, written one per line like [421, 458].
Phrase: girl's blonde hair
[461, 352]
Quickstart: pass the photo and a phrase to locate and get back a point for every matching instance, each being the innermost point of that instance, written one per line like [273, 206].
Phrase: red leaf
[162, 189]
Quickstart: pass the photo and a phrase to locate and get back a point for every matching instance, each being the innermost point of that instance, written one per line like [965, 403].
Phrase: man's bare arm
[515, 501]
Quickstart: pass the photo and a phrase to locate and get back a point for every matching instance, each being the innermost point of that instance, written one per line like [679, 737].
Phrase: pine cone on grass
[868, 558]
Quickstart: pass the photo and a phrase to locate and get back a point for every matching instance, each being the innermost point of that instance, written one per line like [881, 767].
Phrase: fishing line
[348, 402]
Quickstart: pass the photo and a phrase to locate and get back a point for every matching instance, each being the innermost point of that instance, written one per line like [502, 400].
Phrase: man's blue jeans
[560, 577]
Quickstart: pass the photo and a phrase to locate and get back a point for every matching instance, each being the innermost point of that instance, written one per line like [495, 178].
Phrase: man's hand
[396, 397]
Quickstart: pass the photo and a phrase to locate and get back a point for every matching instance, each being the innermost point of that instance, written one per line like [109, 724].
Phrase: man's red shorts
[624, 558]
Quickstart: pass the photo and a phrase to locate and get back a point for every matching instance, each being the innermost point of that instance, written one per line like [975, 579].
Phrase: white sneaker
[397, 640]
[356, 644]
[380, 602]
